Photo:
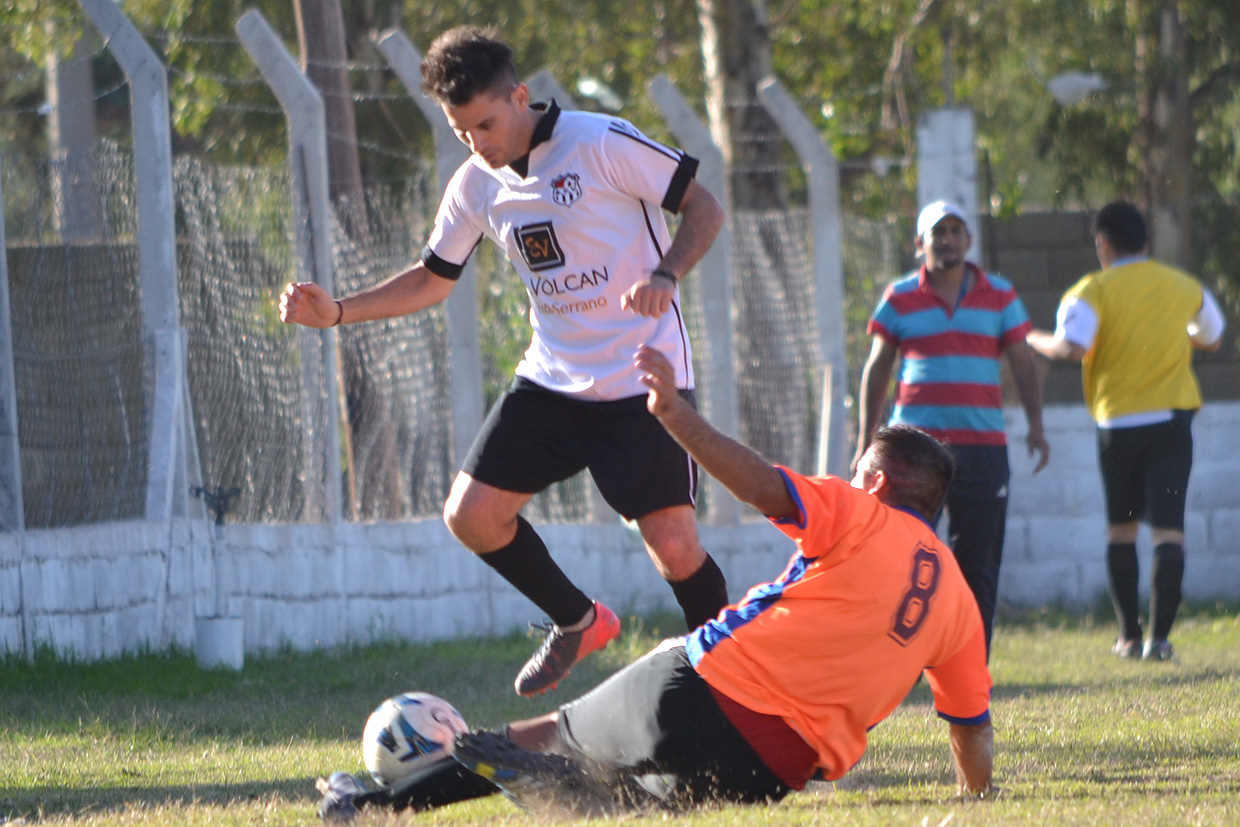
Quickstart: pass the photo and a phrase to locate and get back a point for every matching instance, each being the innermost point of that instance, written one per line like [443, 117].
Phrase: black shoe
[536, 781]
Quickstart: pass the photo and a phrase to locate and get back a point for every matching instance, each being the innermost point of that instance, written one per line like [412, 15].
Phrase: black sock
[526, 564]
[1122, 575]
[446, 783]
[702, 594]
[1168, 574]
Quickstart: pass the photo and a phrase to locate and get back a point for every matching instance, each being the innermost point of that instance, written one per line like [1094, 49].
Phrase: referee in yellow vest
[1134, 325]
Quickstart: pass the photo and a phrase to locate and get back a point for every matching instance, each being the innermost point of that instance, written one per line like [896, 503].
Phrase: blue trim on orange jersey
[974, 721]
[760, 598]
[799, 522]
[919, 516]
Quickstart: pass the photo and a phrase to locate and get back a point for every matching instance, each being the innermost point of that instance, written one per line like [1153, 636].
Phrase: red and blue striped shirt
[949, 378]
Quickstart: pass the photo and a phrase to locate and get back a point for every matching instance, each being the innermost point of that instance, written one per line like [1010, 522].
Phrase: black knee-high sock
[702, 594]
[1168, 574]
[526, 564]
[446, 782]
[1122, 575]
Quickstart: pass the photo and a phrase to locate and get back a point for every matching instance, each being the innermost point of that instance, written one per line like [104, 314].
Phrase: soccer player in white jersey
[575, 200]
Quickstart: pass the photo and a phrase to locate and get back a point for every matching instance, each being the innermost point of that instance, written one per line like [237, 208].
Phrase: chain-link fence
[82, 369]
[85, 374]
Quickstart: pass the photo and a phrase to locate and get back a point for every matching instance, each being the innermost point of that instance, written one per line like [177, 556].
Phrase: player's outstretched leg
[561, 651]
[537, 781]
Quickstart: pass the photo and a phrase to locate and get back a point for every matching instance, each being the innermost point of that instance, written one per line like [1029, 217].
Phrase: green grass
[1082, 738]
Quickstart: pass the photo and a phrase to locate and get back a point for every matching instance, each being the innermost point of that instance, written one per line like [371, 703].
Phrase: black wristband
[340, 315]
[667, 274]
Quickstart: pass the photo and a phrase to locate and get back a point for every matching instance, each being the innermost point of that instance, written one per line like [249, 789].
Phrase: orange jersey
[871, 598]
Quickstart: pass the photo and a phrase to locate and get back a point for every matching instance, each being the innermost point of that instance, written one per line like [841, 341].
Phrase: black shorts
[657, 716]
[534, 437]
[1145, 471]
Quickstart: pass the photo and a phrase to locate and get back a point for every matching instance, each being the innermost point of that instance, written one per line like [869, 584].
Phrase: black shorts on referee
[534, 437]
[1145, 471]
[658, 717]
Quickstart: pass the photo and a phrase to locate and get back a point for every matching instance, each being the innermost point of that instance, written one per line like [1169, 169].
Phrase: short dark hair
[918, 468]
[465, 62]
[1123, 226]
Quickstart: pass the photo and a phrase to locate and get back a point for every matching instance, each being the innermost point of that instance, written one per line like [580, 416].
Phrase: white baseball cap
[936, 211]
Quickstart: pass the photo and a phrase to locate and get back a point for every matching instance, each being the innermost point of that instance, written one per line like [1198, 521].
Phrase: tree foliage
[864, 69]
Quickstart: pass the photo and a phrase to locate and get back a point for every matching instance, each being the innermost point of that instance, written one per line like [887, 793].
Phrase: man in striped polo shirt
[950, 322]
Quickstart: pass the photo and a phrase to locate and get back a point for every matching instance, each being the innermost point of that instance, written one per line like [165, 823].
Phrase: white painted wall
[97, 591]
[1056, 532]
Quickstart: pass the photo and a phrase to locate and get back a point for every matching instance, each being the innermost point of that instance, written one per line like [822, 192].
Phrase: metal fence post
[465, 350]
[823, 171]
[307, 135]
[715, 274]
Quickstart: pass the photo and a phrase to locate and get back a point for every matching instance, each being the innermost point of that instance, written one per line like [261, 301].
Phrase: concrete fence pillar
[823, 172]
[715, 281]
[464, 348]
[157, 265]
[307, 135]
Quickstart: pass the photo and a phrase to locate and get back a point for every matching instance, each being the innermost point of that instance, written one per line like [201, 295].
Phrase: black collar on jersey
[542, 132]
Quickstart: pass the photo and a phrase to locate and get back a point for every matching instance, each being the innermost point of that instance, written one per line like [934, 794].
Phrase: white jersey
[582, 226]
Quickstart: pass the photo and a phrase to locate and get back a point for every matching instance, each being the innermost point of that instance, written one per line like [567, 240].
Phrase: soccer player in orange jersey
[784, 685]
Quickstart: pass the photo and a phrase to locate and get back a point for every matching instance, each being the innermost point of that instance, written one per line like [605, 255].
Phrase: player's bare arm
[740, 469]
[875, 379]
[700, 220]
[1047, 344]
[1029, 389]
[308, 304]
[973, 748]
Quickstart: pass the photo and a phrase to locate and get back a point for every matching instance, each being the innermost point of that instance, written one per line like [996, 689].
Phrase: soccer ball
[406, 734]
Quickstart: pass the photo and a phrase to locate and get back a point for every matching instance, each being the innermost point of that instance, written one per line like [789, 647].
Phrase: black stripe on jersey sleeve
[686, 167]
[654, 237]
[680, 182]
[629, 131]
[445, 269]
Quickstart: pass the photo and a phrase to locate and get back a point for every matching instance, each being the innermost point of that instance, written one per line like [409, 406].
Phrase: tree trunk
[1165, 131]
[325, 59]
[72, 135]
[736, 53]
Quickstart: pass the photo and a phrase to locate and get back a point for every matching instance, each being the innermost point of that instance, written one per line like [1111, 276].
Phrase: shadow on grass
[48, 800]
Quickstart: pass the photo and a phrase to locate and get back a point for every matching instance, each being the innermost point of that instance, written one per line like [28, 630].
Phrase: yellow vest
[1141, 358]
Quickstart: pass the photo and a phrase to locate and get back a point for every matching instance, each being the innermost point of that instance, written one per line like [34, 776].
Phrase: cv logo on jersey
[539, 246]
[566, 188]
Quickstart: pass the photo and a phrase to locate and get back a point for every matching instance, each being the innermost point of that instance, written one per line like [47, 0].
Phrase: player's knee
[677, 557]
[467, 524]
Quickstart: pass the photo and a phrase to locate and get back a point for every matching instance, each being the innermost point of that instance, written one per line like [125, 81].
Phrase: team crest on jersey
[566, 188]
[539, 246]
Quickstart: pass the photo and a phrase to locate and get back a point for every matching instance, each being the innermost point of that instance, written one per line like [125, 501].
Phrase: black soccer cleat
[535, 781]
